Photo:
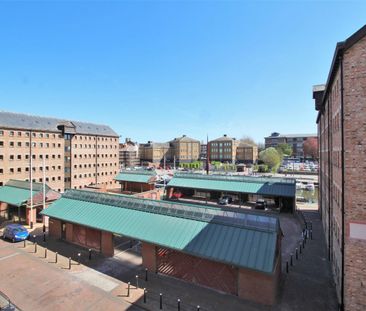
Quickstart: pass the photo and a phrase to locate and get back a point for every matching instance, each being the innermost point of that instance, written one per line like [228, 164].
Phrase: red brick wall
[355, 172]
[69, 232]
[149, 256]
[54, 228]
[259, 287]
[107, 247]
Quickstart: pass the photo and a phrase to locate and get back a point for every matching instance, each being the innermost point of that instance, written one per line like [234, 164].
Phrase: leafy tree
[261, 146]
[248, 140]
[311, 148]
[270, 157]
[285, 149]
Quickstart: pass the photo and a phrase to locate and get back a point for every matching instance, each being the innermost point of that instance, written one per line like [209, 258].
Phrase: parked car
[15, 232]
[260, 204]
[224, 200]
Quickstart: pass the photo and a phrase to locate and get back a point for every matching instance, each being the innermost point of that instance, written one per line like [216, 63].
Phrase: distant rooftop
[184, 138]
[37, 123]
[274, 135]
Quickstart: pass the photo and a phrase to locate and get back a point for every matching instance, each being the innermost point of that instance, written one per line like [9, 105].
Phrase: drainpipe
[329, 184]
[343, 173]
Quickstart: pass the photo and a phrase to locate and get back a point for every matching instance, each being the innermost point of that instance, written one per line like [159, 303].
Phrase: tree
[261, 146]
[248, 140]
[270, 157]
[285, 149]
[311, 147]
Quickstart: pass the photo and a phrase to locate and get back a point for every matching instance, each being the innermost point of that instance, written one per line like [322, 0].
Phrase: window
[11, 170]
[1, 133]
[11, 133]
[1, 144]
[26, 134]
[33, 134]
[19, 170]
[11, 157]
[11, 144]
[1, 171]
[19, 144]
[1, 157]
[47, 135]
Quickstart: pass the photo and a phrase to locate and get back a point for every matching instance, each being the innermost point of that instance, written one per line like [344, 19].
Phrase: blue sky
[157, 70]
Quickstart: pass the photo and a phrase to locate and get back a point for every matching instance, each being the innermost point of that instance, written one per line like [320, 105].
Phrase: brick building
[296, 141]
[184, 150]
[76, 154]
[246, 153]
[155, 153]
[342, 139]
[184, 241]
[223, 149]
[129, 154]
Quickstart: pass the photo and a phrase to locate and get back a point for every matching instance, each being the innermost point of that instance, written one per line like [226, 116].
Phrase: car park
[15, 233]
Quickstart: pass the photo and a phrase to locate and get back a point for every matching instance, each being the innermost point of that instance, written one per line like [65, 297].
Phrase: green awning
[14, 196]
[133, 176]
[236, 184]
[237, 239]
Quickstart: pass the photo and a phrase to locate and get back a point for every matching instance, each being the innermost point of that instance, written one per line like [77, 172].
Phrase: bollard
[31, 224]
[144, 295]
[137, 281]
[146, 274]
[291, 261]
[90, 253]
[45, 252]
[44, 228]
[56, 257]
[24, 243]
[311, 234]
[286, 266]
[297, 254]
[128, 289]
[79, 255]
[44, 237]
[35, 247]
[198, 308]
[69, 263]
[34, 239]
[303, 244]
[300, 248]
[161, 301]
[178, 304]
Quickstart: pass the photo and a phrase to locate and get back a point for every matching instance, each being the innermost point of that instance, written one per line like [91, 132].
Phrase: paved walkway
[308, 285]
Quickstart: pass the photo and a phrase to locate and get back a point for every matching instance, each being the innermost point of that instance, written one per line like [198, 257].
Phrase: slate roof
[29, 122]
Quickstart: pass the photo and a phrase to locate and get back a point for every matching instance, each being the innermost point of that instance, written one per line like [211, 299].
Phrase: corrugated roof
[239, 184]
[29, 122]
[15, 196]
[239, 239]
[136, 176]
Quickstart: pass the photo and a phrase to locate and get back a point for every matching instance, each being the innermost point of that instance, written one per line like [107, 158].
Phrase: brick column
[28, 215]
[149, 256]
[107, 247]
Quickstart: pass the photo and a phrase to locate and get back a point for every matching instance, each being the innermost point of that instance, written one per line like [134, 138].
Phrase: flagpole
[31, 183]
[207, 157]
[44, 182]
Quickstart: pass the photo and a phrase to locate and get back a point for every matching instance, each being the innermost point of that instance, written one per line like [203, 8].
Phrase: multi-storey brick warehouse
[75, 154]
[342, 139]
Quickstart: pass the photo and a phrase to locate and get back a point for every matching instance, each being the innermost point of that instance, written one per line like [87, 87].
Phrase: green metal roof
[136, 176]
[239, 239]
[14, 196]
[239, 184]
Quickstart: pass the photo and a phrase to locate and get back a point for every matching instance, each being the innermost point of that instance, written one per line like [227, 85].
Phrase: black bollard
[311, 234]
[79, 255]
[297, 254]
[24, 243]
[45, 252]
[146, 274]
[56, 257]
[128, 289]
[31, 225]
[35, 247]
[286, 266]
[178, 304]
[69, 263]
[300, 248]
[137, 281]
[34, 239]
[198, 308]
[303, 244]
[90, 253]
[44, 237]
[44, 228]
[291, 261]
[144, 295]
[161, 301]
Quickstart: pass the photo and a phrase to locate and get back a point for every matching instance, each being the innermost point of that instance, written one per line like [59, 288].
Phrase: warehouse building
[244, 190]
[136, 181]
[233, 252]
[19, 203]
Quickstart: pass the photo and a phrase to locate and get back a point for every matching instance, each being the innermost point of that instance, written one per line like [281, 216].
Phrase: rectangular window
[11, 144]
[19, 144]
[11, 133]
[1, 133]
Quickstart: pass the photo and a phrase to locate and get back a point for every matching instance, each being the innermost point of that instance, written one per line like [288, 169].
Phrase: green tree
[270, 157]
[285, 149]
